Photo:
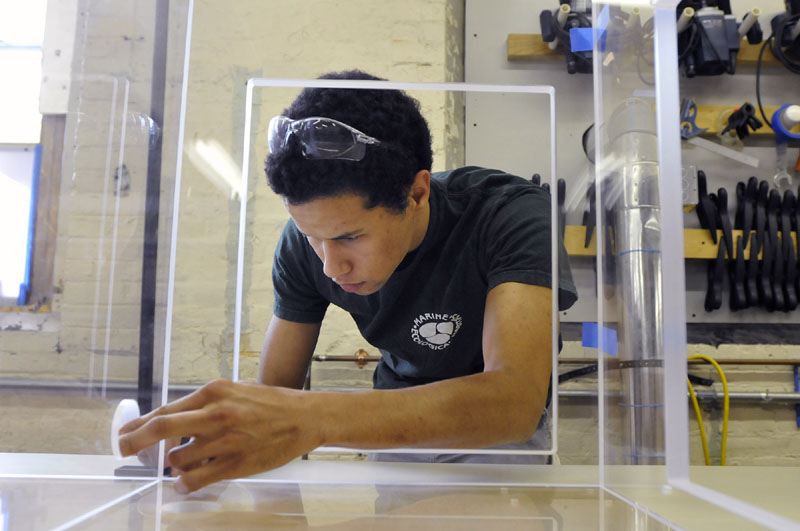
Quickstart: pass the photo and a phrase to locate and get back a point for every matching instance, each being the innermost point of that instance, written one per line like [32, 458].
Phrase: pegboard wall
[511, 133]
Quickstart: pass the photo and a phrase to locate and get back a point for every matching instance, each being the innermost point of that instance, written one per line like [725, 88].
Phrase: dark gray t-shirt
[486, 228]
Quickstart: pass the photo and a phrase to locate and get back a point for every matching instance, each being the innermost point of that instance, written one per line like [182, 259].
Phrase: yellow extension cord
[725, 410]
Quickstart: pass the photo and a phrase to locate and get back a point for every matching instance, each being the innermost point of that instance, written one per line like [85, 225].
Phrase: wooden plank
[574, 237]
[697, 243]
[748, 55]
[530, 47]
[31, 308]
[708, 117]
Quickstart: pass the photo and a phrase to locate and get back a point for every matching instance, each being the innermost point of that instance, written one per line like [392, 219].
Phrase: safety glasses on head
[320, 138]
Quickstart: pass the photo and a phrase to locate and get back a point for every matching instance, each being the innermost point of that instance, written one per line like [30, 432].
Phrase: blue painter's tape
[590, 338]
[781, 133]
[581, 38]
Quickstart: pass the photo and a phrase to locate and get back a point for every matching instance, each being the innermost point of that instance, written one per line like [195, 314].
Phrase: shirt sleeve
[296, 297]
[518, 245]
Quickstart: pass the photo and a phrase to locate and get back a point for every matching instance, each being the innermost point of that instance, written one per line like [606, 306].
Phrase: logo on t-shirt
[435, 330]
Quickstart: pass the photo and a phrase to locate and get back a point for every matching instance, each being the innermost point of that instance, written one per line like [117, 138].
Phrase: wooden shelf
[530, 47]
[697, 243]
[709, 115]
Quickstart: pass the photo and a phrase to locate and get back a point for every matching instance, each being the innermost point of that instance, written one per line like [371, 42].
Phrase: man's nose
[335, 264]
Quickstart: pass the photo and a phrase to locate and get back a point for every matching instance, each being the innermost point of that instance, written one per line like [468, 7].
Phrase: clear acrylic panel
[642, 297]
[263, 213]
[628, 245]
[92, 330]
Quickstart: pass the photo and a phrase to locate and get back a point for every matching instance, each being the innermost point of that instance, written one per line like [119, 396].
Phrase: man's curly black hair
[385, 174]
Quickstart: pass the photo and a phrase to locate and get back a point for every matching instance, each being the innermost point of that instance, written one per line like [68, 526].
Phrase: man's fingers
[164, 427]
[211, 472]
[194, 400]
[149, 456]
[199, 451]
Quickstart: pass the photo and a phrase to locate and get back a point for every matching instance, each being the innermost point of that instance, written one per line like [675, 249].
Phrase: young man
[448, 275]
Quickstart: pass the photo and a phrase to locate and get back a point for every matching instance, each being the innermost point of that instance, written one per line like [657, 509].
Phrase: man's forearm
[480, 410]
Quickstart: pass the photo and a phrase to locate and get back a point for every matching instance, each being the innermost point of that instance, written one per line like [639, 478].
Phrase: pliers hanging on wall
[796, 229]
[706, 209]
[589, 216]
[716, 269]
[775, 252]
[765, 295]
[751, 278]
[788, 210]
[744, 222]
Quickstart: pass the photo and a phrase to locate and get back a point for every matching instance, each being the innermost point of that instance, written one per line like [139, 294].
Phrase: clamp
[765, 295]
[741, 120]
[774, 273]
[788, 210]
[716, 269]
[706, 207]
[751, 198]
[589, 216]
[561, 192]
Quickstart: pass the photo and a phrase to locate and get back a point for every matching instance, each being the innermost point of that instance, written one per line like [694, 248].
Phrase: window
[21, 37]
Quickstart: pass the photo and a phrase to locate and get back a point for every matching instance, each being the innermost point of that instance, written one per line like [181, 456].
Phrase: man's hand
[237, 429]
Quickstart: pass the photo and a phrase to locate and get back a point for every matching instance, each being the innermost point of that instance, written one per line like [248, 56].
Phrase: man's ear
[420, 189]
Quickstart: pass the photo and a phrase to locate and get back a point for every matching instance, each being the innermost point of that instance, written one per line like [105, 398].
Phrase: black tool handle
[751, 281]
[724, 221]
[562, 211]
[706, 208]
[716, 270]
[589, 216]
[738, 299]
[789, 252]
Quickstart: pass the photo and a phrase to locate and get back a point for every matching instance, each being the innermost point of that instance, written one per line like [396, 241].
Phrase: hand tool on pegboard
[776, 278]
[764, 284]
[706, 209]
[689, 128]
[742, 120]
[788, 209]
[716, 269]
[744, 222]
[537, 179]
[796, 229]
[751, 276]
[589, 216]
[707, 214]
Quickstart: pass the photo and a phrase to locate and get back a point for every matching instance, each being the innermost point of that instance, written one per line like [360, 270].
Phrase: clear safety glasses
[320, 138]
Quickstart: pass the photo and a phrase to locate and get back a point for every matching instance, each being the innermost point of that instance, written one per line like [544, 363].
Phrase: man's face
[359, 248]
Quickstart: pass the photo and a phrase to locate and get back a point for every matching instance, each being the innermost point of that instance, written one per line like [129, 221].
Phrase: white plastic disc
[126, 411]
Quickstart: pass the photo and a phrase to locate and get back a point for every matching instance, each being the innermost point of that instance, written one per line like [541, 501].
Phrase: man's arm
[500, 405]
[287, 352]
[249, 428]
